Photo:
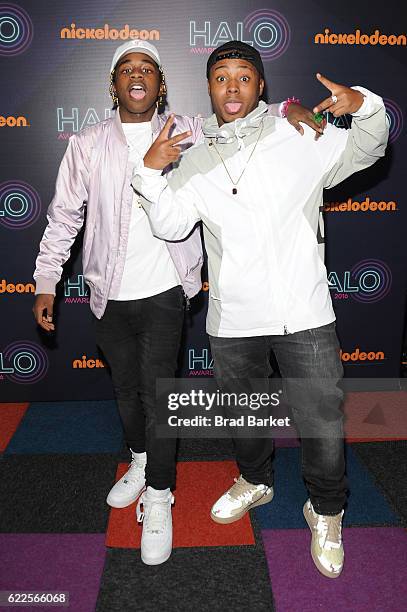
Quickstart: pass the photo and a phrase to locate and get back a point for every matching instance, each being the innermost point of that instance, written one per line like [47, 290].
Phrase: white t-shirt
[148, 269]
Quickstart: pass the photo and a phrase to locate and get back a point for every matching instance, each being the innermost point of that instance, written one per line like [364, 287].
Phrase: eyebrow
[244, 67]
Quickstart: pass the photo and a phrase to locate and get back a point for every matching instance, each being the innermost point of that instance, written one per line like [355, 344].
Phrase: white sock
[139, 456]
[158, 492]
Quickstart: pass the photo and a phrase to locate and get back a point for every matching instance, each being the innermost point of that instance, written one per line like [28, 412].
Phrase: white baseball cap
[136, 46]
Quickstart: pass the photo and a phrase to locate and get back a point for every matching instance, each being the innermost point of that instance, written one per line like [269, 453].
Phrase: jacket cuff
[45, 285]
[370, 104]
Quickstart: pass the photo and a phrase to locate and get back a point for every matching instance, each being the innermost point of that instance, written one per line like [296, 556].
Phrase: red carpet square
[199, 484]
[10, 417]
[375, 416]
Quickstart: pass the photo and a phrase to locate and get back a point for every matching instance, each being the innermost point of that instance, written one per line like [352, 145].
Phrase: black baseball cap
[236, 49]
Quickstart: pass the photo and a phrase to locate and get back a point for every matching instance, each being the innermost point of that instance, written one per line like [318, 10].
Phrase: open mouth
[137, 92]
[233, 107]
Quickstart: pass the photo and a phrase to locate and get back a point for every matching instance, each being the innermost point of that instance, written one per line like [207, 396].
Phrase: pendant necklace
[235, 183]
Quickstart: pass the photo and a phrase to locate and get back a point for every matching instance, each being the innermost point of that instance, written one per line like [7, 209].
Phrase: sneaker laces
[133, 473]
[242, 490]
[154, 514]
[330, 530]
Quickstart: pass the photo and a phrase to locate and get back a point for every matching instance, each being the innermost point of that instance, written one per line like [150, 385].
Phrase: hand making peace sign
[342, 100]
[164, 151]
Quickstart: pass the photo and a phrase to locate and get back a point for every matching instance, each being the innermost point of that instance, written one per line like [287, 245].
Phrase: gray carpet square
[204, 579]
[55, 493]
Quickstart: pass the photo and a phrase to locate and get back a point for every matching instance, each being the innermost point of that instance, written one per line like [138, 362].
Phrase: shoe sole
[156, 561]
[315, 559]
[126, 503]
[225, 521]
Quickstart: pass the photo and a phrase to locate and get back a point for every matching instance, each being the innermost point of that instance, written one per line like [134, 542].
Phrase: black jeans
[311, 355]
[140, 340]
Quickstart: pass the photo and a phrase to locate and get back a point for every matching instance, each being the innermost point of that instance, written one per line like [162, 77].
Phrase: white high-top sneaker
[156, 541]
[131, 485]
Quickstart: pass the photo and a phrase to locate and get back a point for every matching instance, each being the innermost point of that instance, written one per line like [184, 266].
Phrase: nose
[136, 73]
[233, 86]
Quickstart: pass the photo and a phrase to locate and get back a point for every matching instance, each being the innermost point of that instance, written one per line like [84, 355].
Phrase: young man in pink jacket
[137, 282]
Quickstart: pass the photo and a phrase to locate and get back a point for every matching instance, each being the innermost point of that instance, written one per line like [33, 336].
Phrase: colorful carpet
[59, 460]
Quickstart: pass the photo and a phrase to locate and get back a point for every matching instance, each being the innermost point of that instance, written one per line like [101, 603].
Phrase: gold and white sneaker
[240, 498]
[326, 544]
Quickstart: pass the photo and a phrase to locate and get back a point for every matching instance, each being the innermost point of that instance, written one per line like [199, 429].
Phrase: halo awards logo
[395, 117]
[267, 30]
[70, 121]
[369, 281]
[200, 363]
[393, 112]
[76, 290]
[16, 30]
[24, 363]
[20, 205]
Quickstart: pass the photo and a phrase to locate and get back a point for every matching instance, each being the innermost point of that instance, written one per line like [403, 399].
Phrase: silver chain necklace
[235, 183]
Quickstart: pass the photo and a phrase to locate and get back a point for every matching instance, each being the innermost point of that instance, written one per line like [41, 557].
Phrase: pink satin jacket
[94, 179]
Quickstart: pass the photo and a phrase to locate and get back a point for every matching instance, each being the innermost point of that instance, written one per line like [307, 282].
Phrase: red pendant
[234, 191]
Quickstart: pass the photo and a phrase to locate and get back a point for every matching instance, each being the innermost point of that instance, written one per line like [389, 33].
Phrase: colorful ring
[318, 117]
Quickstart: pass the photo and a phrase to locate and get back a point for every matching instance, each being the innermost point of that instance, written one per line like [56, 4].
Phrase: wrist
[359, 103]
[369, 104]
[285, 105]
[150, 168]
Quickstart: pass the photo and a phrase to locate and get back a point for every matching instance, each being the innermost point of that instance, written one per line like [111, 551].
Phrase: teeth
[137, 87]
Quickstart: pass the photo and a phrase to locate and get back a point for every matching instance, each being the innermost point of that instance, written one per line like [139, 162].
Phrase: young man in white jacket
[137, 282]
[258, 189]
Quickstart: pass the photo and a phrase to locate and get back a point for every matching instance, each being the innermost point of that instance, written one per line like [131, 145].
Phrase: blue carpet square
[68, 427]
[366, 504]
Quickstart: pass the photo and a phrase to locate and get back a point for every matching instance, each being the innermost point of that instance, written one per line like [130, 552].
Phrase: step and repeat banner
[55, 59]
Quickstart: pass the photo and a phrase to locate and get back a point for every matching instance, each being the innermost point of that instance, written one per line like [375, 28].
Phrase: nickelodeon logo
[85, 363]
[13, 121]
[6, 287]
[108, 33]
[357, 38]
[359, 355]
[365, 206]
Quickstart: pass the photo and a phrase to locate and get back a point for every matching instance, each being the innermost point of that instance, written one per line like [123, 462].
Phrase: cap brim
[137, 50]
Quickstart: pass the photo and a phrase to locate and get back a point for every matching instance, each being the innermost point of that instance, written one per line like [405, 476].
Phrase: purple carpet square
[374, 577]
[53, 562]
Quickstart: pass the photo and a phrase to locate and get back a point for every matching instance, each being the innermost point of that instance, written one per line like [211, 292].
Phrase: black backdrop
[55, 81]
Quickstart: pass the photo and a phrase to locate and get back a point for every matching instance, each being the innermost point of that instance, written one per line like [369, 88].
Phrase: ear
[209, 89]
[261, 87]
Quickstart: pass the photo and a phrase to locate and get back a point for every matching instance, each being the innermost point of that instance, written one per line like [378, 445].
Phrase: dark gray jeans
[313, 356]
